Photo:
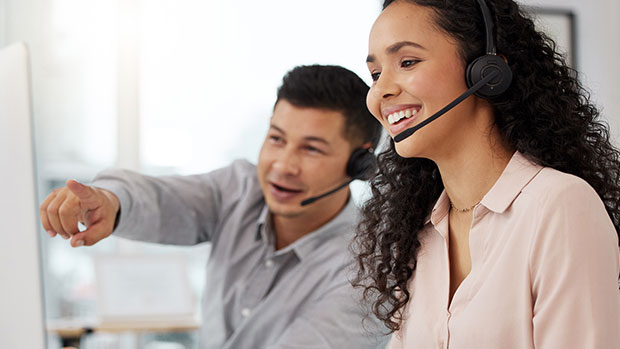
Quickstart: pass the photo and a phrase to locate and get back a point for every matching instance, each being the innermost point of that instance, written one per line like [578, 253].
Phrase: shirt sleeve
[179, 210]
[574, 266]
[336, 321]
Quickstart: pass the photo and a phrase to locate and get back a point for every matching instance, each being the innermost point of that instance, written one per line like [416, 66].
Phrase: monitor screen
[21, 310]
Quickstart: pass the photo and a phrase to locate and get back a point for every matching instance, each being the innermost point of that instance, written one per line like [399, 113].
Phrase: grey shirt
[255, 296]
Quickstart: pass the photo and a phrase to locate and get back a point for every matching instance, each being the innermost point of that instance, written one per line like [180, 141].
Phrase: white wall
[2, 23]
[598, 44]
[598, 26]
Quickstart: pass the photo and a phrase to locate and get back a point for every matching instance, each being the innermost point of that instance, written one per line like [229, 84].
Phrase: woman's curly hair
[546, 114]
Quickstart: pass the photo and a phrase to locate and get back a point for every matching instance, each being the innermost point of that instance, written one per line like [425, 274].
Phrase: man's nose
[288, 163]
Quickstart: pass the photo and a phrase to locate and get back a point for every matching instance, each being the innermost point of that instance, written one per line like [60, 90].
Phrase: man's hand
[94, 208]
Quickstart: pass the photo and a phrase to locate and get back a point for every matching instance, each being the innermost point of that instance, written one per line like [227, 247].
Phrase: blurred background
[186, 86]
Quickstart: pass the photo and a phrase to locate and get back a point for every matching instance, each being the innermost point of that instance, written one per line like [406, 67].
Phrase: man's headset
[487, 76]
[361, 165]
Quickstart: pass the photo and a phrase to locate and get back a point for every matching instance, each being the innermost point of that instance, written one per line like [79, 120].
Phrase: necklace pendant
[463, 210]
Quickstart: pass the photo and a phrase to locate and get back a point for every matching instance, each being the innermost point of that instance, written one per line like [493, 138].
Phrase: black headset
[487, 76]
[489, 63]
[362, 164]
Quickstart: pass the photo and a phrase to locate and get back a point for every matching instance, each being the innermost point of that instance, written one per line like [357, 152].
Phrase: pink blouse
[545, 266]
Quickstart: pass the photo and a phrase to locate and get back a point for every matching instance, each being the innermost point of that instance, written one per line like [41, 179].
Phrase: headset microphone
[408, 132]
[487, 76]
[315, 198]
[361, 165]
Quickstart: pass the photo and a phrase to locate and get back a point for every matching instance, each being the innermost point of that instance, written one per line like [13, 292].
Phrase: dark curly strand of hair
[546, 114]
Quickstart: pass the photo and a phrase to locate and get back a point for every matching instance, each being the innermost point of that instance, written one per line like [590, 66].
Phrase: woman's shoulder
[566, 205]
[552, 185]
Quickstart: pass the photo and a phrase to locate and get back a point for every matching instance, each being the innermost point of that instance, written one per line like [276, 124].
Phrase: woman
[496, 225]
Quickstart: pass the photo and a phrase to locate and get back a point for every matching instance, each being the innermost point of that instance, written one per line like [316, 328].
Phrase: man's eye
[314, 150]
[275, 139]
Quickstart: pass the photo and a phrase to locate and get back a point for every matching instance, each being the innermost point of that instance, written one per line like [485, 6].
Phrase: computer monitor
[21, 301]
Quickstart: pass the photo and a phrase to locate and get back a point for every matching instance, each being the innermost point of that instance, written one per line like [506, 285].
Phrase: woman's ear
[367, 145]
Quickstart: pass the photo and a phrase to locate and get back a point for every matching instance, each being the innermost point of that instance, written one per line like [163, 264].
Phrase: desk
[71, 330]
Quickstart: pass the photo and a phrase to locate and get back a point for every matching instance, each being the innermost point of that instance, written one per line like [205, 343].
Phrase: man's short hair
[333, 88]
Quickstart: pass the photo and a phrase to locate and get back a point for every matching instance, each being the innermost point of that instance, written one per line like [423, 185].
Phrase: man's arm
[182, 210]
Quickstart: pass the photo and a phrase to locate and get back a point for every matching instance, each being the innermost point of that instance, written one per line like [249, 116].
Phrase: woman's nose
[385, 86]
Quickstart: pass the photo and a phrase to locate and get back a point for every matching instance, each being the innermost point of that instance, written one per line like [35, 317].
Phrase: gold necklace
[463, 210]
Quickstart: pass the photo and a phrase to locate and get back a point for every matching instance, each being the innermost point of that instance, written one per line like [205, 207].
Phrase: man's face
[304, 155]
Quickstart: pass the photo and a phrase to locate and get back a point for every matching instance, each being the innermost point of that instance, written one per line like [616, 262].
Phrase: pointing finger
[86, 194]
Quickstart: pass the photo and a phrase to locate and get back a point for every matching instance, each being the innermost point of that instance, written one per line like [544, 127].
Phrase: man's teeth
[399, 115]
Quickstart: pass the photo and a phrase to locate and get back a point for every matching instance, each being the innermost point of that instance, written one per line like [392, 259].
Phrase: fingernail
[66, 237]
[51, 233]
[79, 243]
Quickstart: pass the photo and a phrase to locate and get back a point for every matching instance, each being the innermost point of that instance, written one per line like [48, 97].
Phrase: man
[278, 270]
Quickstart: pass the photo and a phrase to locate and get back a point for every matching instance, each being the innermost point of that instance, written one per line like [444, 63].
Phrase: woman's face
[416, 71]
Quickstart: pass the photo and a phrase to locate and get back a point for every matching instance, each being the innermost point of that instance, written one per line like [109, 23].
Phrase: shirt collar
[517, 174]
[341, 224]
[440, 210]
[261, 233]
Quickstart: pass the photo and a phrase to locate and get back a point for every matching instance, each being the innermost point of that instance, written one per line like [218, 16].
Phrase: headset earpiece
[484, 65]
[487, 76]
[362, 164]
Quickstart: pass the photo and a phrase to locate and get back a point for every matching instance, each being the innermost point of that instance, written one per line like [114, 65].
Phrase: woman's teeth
[399, 115]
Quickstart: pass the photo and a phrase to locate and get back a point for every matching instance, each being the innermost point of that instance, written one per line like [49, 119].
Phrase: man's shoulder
[241, 167]
[236, 185]
[239, 173]
[243, 164]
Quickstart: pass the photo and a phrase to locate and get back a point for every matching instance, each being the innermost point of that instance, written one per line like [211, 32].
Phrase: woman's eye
[375, 76]
[408, 63]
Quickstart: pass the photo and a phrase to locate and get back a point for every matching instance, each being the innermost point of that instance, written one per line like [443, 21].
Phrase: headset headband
[488, 25]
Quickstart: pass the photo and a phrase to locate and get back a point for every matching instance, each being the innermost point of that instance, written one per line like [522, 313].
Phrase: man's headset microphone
[361, 165]
[487, 76]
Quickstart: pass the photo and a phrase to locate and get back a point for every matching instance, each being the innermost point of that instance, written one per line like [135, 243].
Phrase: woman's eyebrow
[395, 48]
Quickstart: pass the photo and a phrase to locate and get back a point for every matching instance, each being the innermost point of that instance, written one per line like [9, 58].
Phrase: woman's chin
[406, 149]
